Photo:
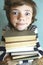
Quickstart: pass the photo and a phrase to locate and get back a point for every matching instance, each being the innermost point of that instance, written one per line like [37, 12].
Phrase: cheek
[29, 20]
[13, 18]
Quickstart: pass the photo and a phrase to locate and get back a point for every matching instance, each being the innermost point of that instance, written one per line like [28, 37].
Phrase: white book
[23, 56]
[25, 53]
[20, 49]
[28, 57]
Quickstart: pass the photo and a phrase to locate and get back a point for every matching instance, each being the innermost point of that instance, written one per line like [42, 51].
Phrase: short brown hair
[10, 3]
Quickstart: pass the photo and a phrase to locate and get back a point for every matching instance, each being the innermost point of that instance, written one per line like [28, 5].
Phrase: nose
[21, 17]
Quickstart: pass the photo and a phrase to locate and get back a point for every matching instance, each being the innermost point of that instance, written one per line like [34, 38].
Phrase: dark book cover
[11, 36]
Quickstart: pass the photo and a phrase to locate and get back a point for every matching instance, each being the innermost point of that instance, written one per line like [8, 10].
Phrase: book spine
[20, 38]
[23, 56]
[20, 49]
[21, 44]
[25, 52]
[26, 58]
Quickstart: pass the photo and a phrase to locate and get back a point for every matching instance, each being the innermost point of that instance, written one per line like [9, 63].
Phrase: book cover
[26, 58]
[20, 49]
[24, 53]
[11, 36]
[20, 44]
[23, 56]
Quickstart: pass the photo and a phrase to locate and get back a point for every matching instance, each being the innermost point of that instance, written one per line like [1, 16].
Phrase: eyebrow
[14, 9]
[25, 10]
[28, 10]
[17, 9]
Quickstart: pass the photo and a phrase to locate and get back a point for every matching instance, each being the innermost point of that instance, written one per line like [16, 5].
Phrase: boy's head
[20, 13]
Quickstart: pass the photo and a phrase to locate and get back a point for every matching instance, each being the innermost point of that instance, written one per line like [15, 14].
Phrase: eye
[15, 13]
[27, 13]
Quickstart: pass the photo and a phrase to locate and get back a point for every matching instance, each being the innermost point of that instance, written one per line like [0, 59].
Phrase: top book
[16, 36]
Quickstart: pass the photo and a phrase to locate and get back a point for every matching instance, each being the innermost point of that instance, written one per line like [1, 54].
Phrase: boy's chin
[21, 29]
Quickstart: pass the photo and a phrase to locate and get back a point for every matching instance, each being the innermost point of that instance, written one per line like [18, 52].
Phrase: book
[20, 49]
[24, 53]
[23, 56]
[20, 44]
[26, 57]
[11, 36]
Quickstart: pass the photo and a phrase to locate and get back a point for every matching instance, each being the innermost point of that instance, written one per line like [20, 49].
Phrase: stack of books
[21, 44]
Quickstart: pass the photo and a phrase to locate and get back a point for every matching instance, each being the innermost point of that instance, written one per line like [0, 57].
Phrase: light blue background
[39, 23]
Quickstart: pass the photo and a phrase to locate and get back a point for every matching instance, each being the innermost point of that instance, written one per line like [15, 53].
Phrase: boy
[21, 16]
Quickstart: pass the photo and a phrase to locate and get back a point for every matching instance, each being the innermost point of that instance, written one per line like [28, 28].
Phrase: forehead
[23, 8]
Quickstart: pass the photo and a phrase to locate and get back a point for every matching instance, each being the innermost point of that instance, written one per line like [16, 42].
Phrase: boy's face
[21, 17]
